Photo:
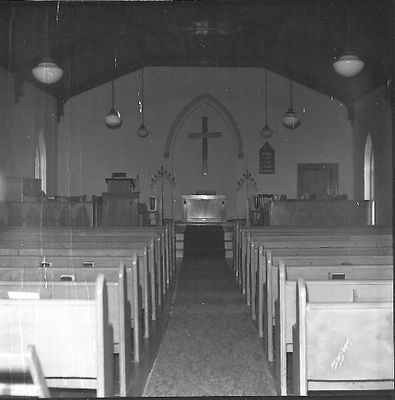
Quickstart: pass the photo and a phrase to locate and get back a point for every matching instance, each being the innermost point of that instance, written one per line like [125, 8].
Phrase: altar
[203, 208]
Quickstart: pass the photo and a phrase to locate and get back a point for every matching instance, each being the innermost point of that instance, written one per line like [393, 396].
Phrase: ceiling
[297, 39]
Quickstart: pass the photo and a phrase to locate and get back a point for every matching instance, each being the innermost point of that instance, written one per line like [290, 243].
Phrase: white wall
[89, 152]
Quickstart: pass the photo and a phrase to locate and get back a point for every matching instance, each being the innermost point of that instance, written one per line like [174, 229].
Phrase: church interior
[196, 198]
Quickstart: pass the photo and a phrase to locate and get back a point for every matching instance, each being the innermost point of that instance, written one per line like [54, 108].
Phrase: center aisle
[211, 347]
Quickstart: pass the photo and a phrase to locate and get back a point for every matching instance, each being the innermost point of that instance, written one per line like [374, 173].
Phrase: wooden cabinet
[120, 209]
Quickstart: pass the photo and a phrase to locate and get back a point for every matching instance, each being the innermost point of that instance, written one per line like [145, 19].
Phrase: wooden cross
[204, 135]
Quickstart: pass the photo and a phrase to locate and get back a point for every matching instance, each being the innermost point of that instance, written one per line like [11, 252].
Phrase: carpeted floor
[211, 347]
[204, 241]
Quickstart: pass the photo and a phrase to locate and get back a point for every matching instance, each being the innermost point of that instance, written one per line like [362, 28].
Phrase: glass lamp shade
[113, 119]
[266, 132]
[47, 72]
[290, 119]
[348, 65]
[142, 131]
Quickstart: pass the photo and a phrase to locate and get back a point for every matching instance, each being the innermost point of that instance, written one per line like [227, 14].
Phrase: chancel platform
[203, 208]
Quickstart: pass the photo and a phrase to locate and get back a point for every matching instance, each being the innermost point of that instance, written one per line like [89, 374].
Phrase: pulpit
[120, 203]
[203, 208]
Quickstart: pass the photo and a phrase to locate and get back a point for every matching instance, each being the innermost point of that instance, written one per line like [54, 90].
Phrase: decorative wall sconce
[162, 175]
[247, 179]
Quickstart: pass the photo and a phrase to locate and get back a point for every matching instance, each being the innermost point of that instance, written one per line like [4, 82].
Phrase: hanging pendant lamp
[113, 119]
[142, 131]
[266, 132]
[349, 64]
[290, 119]
[47, 71]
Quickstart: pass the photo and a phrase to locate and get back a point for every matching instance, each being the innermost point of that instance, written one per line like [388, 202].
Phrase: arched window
[369, 177]
[40, 162]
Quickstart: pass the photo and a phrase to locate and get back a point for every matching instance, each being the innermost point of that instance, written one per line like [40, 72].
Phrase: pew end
[352, 347]
[12, 364]
[73, 337]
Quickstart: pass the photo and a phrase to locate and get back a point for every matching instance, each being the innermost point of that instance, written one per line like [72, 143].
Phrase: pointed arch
[40, 161]
[204, 99]
[368, 169]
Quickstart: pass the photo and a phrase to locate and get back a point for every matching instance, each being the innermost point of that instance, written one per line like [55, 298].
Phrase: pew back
[73, 338]
[342, 346]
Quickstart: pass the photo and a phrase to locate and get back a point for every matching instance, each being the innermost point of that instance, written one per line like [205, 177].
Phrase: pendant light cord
[142, 96]
[113, 83]
[112, 93]
[265, 96]
[290, 94]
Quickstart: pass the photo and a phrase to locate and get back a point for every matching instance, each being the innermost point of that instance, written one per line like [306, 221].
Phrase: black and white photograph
[196, 199]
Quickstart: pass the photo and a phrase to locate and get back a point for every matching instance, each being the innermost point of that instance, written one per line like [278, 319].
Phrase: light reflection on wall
[2, 187]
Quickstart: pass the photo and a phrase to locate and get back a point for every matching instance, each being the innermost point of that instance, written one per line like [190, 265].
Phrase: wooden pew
[73, 338]
[119, 308]
[261, 257]
[243, 235]
[368, 244]
[347, 264]
[73, 240]
[14, 364]
[264, 262]
[98, 256]
[285, 308]
[163, 239]
[308, 247]
[380, 236]
[80, 277]
[342, 345]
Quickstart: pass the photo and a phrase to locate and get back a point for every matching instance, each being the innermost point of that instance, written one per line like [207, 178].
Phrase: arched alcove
[204, 99]
[40, 162]
[369, 169]
[368, 182]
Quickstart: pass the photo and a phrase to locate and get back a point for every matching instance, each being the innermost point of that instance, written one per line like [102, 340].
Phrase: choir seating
[342, 345]
[73, 338]
[285, 307]
[119, 308]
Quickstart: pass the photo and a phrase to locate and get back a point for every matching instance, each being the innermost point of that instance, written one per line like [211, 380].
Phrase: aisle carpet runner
[211, 347]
